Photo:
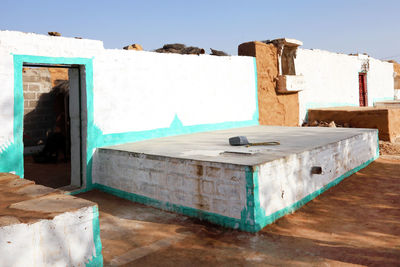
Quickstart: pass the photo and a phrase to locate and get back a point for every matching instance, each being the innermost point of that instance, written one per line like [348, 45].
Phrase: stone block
[207, 187]
[28, 96]
[191, 184]
[195, 170]
[213, 172]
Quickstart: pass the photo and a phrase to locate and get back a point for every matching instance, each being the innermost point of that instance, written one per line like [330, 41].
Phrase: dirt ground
[354, 223]
[388, 148]
[54, 175]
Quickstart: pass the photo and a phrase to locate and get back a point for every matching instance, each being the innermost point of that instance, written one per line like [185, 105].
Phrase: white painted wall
[66, 240]
[380, 82]
[209, 186]
[331, 79]
[292, 178]
[12, 42]
[136, 91]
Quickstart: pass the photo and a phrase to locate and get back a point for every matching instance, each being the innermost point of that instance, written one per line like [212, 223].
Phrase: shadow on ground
[356, 222]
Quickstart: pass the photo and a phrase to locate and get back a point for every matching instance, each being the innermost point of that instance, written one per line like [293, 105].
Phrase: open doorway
[47, 134]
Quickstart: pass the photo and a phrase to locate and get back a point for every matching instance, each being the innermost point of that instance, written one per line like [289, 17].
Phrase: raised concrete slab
[41, 226]
[201, 175]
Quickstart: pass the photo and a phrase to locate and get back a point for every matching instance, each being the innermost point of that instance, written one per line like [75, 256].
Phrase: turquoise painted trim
[256, 113]
[379, 99]
[191, 212]
[11, 160]
[245, 223]
[78, 191]
[175, 129]
[261, 220]
[97, 260]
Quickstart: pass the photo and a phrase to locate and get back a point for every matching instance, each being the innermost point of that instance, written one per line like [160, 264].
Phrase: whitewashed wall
[293, 180]
[136, 91]
[208, 186]
[331, 79]
[12, 42]
[380, 82]
[66, 240]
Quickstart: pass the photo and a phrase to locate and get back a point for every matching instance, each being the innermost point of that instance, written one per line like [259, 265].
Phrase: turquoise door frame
[14, 156]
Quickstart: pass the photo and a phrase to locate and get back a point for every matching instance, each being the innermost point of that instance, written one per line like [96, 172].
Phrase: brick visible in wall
[39, 114]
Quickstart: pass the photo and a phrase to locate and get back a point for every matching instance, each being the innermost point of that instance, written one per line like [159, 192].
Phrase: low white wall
[331, 79]
[293, 179]
[66, 240]
[208, 186]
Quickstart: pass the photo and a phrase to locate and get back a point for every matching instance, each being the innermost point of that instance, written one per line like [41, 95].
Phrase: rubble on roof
[180, 49]
[215, 52]
[136, 47]
[54, 33]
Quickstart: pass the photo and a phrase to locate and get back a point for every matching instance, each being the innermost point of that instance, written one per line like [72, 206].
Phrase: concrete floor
[355, 223]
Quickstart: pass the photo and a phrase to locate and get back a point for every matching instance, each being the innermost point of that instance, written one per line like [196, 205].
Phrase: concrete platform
[41, 226]
[355, 223]
[245, 188]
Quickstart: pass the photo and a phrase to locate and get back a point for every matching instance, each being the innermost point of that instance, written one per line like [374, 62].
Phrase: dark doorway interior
[362, 82]
[46, 135]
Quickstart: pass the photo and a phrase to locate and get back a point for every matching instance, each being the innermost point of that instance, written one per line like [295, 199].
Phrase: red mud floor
[355, 223]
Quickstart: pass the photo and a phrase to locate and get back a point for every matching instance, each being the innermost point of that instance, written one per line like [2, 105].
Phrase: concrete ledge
[41, 226]
[244, 189]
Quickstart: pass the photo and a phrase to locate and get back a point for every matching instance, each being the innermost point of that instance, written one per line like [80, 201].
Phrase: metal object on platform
[242, 141]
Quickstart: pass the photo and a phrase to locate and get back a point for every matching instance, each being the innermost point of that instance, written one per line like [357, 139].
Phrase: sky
[351, 26]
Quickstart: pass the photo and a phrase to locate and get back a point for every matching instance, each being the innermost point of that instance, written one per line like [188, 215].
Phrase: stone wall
[39, 106]
[274, 108]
